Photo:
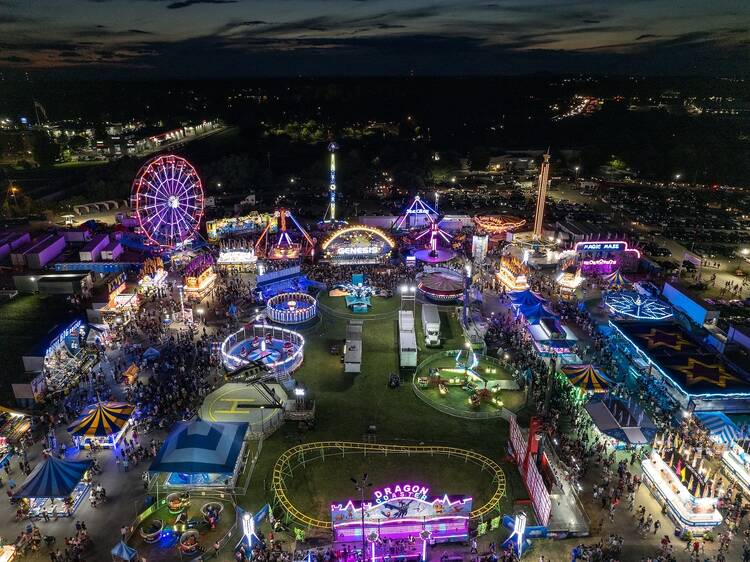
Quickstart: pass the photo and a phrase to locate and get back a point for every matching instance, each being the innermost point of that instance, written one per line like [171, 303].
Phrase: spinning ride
[280, 350]
[416, 215]
[434, 254]
[284, 247]
[167, 198]
[498, 225]
[291, 308]
[441, 285]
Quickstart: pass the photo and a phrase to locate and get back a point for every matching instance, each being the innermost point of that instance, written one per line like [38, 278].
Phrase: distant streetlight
[745, 251]
[453, 179]
[677, 177]
[577, 169]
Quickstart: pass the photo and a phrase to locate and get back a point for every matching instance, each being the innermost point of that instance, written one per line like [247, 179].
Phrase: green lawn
[346, 404]
[380, 305]
[26, 321]
[458, 398]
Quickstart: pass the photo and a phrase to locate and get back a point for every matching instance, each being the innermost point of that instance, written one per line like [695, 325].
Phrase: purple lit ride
[279, 349]
[291, 308]
[402, 511]
[167, 198]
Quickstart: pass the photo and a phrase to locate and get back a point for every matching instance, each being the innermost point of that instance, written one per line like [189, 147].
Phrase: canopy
[124, 552]
[615, 279]
[620, 419]
[525, 298]
[720, 427]
[102, 419]
[587, 377]
[151, 353]
[53, 478]
[534, 313]
[201, 447]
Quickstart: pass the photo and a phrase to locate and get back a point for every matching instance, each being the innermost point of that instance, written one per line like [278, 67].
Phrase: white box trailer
[407, 348]
[405, 321]
[431, 324]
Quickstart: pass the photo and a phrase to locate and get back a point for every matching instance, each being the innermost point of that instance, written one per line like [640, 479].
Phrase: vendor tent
[525, 298]
[615, 280]
[623, 420]
[201, 447]
[151, 353]
[122, 552]
[102, 419]
[720, 427]
[534, 313]
[587, 377]
[53, 478]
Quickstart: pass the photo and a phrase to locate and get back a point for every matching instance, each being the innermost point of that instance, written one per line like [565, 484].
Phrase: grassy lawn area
[380, 305]
[81, 164]
[26, 321]
[328, 480]
[347, 404]
[455, 396]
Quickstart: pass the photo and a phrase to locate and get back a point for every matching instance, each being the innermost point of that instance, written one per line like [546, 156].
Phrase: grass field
[458, 398]
[380, 305]
[26, 321]
[347, 404]
[314, 491]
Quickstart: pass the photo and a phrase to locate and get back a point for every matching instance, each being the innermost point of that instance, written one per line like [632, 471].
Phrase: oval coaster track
[292, 458]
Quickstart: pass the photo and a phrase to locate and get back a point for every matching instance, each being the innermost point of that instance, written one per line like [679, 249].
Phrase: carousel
[291, 308]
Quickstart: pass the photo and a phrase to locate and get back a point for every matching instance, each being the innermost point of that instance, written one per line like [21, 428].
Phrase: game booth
[200, 454]
[400, 521]
[121, 305]
[357, 244]
[280, 350]
[291, 308]
[200, 277]
[229, 227]
[236, 258]
[55, 486]
[13, 427]
[153, 275]
[623, 422]
[693, 375]
[602, 257]
[683, 487]
[441, 285]
[101, 425]
[512, 273]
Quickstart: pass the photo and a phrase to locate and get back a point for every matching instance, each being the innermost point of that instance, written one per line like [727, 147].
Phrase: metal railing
[299, 455]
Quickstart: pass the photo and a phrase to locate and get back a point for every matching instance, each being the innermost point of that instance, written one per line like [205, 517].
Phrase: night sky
[238, 38]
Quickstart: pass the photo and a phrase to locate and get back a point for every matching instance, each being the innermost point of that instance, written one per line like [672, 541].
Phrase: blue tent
[151, 353]
[720, 427]
[124, 552]
[525, 298]
[201, 447]
[53, 478]
[535, 313]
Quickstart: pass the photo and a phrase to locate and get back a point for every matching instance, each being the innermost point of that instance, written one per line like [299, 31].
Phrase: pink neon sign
[605, 246]
[599, 262]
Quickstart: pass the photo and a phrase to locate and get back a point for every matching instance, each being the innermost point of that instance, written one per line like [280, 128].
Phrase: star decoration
[696, 371]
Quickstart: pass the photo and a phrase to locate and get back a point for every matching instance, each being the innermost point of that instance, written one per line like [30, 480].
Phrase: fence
[296, 456]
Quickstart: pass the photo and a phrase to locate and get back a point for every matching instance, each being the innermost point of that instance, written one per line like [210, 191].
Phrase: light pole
[262, 420]
[360, 486]
[577, 169]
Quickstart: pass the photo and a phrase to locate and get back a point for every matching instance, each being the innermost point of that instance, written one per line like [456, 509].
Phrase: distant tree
[45, 150]
[479, 158]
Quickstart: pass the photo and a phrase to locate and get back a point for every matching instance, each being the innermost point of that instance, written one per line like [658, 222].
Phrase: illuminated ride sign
[358, 242]
[400, 511]
[605, 246]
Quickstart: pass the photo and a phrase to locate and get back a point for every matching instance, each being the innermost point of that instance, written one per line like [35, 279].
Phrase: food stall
[200, 277]
[512, 274]
[153, 275]
[689, 512]
[569, 280]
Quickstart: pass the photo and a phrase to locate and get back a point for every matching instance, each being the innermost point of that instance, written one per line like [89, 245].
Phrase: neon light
[684, 392]
[358, 524]
[416, 491]
[417, 207]
[359, 228]
[599, 262]
[635, 306]
[605, 245]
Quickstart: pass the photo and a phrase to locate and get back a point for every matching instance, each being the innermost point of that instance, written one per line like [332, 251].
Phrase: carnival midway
[410, 387]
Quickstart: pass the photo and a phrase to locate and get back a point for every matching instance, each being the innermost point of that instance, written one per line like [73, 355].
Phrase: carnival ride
[297, 456]
[284, 247]
[416, 215]
[634, 305]
[498, 225]
[280, 350]
[357, 244]
[329, 218]
[441, 285]
[167, 198]
[291, 308]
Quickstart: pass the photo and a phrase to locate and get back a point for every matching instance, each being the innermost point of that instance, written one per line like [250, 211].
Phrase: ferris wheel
[167, 197]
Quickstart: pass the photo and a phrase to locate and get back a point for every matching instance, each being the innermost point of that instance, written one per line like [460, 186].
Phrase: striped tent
[102, 419]
[720, 427]
[587, 377]
[53, 478]
[616, 280]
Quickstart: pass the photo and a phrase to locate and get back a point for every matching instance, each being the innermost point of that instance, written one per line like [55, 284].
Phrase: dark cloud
[188, 3]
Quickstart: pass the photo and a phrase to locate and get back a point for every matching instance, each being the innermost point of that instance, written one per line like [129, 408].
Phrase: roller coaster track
[309, 452]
